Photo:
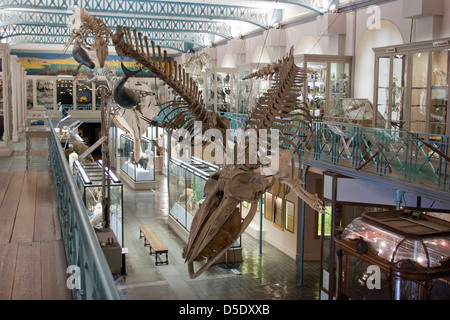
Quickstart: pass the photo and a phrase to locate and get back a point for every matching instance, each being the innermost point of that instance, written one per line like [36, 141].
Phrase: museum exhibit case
[6, 121]
[139, 175]
[42, 93]
[108, 226]
[395, 255]
[88, 176]
[187, 180]
[327, 81]
[221, 90]
[249, 90]
[353, 111]
[243, 90]
[411, 86]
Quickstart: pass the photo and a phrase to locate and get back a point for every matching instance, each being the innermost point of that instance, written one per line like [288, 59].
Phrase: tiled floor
[16, 162]
[272, 275]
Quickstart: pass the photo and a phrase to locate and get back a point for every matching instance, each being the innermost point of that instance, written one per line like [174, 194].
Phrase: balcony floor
[32, 257]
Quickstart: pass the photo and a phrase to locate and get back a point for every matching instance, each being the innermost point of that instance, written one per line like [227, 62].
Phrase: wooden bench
[155, 244]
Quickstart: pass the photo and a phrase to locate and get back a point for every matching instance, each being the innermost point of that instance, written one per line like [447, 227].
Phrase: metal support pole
[260, 224]
[302, 233]
[106, 185]
[398, 198]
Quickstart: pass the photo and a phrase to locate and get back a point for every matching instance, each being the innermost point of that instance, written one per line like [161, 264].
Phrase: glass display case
[88, 178]
[30, 94]
[45, 93]
[328, 80]
[186, 183]
[398, 255]
[411, 86]
[353, 111]
[243, 90]
[140, 175]
[62, 85]
[187, 179]
[221, 90]
[83, 96]
[249, 90]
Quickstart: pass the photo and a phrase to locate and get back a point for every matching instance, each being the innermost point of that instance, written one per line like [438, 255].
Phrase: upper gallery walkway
[32, 255]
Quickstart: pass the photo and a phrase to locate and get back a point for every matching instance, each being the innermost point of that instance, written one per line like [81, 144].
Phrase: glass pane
[339, 77]
[358, 281]
[383, 87]
[407, 290]
[420, 70]
[419, 92]
[64, 89]
[179, 147]
[210, 85]
[441, 289]
[30, 103]
[44, 93]
[83, 97]
[176, 190]
[259, 87]
[224, 91]
[326, 219]
[278, 212]
[290, 216]
[316, 83]
[398, 90]
[99, 86]
[243, 92]
[269, 206]
[439, 92]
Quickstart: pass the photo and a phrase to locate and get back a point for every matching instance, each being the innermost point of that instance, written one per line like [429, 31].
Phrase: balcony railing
[403, 156]
[81, 245]
[409, 157]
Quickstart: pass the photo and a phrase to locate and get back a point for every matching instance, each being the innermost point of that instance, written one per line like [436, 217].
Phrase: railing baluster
[82, 247]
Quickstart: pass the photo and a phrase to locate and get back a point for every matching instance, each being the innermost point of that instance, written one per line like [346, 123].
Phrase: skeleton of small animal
[82, 26]
[217, 222]
[197, 64]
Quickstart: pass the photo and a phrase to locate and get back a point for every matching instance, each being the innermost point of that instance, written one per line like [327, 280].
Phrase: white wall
[387, 34]
[445, 27]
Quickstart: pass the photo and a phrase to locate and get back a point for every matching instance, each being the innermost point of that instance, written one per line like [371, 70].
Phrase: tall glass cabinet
[411, 86]
[221, 90]
[328, 80]
[249, 90]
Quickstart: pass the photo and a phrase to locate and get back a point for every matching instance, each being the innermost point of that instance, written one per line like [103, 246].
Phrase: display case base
[136, 185]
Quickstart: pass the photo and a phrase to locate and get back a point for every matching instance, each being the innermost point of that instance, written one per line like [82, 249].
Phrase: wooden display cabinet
[221, 90]
[395, 255]
[328, 80]
[411, 86]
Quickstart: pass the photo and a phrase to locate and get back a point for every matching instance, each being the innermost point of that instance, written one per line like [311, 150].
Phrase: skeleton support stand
[106, 183]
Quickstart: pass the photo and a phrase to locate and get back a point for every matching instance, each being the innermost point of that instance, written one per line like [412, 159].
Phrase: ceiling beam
[48, 34]
[142, 24]
[318, 6]
[163, 31]
[263, 18]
